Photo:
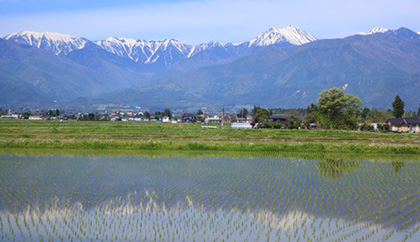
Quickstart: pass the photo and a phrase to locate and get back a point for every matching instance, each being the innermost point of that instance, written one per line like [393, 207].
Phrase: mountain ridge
[164, 52]
[59, 44]
[370, 66]
[376, 65]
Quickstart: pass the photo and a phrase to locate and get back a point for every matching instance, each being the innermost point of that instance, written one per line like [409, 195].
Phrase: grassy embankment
[191, 137]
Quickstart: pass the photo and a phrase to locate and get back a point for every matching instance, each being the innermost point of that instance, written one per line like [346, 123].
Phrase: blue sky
[201, 21]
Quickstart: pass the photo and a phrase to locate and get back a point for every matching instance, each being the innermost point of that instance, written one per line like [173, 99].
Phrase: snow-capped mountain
[289, 34]
[169, 73]
[59, 44]
[147, 52]
[375, 30]
[201, 47]
[165, 52]
[151, 51]
[403, 33]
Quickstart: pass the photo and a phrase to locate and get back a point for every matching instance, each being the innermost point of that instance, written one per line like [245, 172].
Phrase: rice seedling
[216, 198]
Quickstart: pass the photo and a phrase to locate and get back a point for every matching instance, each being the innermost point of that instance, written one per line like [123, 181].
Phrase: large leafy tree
[338, 110]
[261, 115]
[295, 116]
[147, 115]
[398, 106]
[167, 112]
[365, 113]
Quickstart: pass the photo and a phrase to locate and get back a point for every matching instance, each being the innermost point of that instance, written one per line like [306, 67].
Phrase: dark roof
[413, 120]
[403, 121]
[281, 116]
[69, 115]
[187, 115]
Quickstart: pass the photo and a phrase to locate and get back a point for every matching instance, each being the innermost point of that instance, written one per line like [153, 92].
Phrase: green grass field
[152, 136]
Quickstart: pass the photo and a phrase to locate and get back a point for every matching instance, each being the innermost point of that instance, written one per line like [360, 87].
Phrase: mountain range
[285, 67]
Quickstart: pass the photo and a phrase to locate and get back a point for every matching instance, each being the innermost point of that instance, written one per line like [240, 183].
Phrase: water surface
[211, 198]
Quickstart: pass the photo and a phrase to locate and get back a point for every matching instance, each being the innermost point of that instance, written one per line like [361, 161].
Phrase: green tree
[365, 113]
[418, 113]
[26, 115]
[261, 115]
[339, 110]
[199, 112]
[295, 116]
[254, 111]
[374, 114]
[147, 115]
[308, 119]
[311, 114]
[91, 117]
[377, 116]
[244, 111]
[410, 114]
[398, 106]
[167, 112]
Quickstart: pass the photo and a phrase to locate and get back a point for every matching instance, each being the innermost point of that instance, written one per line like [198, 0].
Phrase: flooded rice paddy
[207, 198]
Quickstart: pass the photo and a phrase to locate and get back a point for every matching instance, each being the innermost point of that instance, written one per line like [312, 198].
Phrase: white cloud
[227, 21]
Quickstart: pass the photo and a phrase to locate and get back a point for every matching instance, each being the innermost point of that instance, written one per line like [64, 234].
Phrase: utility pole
[223, 115]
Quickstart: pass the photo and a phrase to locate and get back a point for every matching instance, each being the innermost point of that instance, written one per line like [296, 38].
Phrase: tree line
[336, 110]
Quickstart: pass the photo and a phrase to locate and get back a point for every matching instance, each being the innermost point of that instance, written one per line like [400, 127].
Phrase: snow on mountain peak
[143, 51]
[201, 47]
[166, 51]
[59, 44]
[374, 31]
[38, 35]
[288, 34]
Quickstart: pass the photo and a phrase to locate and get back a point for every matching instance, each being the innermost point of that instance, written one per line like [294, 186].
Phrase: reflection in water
[397, 165]
[119, 220]
[337, 168]
[126, 198]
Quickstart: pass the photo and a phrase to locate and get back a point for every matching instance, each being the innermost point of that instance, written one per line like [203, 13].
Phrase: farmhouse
[67, 116]
[16, 115]
[35, 117]
[215, 119]
[240, 118]
[280, 118]
[166, 119]
[403, 124]
[9, 116]
[189, 118]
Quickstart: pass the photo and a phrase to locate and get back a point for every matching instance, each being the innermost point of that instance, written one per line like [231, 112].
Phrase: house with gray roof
[403, 124]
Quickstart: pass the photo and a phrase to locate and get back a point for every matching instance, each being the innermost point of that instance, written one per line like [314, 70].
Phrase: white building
[166, 119]
[215, 119]
[35, 117]
[241, 126]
